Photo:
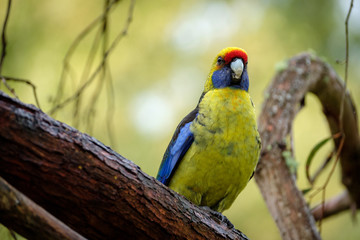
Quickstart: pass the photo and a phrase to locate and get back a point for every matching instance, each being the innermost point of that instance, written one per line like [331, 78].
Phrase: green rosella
[215, 148]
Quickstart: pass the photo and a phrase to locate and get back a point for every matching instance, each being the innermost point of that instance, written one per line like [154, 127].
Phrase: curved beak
[237, 66]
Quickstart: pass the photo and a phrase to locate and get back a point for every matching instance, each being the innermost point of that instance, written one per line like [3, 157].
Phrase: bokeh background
[159, 68]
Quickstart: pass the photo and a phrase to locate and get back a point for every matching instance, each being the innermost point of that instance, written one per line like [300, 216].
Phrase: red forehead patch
[235, 53]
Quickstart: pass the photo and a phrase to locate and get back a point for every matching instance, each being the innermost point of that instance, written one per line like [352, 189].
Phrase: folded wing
[179, 144]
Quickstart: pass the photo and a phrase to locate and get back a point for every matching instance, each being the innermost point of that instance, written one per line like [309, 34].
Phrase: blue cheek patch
[221, 78]
[244, 83]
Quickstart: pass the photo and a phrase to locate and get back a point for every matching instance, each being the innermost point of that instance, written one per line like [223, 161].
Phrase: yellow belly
[226, 147]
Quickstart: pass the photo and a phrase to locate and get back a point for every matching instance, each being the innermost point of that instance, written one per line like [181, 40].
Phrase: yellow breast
[225, 151]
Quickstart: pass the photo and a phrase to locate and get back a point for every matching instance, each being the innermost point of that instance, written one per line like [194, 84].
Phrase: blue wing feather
[180, 143]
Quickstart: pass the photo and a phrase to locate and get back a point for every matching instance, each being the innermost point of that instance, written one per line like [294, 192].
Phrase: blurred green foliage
[159, 69]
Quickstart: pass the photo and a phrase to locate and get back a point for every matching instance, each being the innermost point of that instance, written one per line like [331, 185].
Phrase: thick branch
[329, 89]
[25, 217]
[304, 73]
[91, 188]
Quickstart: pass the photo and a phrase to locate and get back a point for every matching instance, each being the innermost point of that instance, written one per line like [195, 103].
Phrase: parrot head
[229, 69]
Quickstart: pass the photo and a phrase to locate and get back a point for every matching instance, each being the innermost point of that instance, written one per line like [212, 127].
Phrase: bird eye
[220, 61]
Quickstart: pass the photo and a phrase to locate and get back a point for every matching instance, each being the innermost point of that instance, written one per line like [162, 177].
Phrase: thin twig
[110, 109]
[6, 78]
[8, 87]
[3, 36]
[109, 90]
[90, 113]
[322, 167]
[85, 75]
[342, 106]
[333, 206]
[101, 65]
[311, 156]
[329, 177]
[72, 49]
[346, 64]
[96, 94]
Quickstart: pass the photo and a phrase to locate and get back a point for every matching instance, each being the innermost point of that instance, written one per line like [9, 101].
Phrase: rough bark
[91, 188]
[28, 219]
[285, 96]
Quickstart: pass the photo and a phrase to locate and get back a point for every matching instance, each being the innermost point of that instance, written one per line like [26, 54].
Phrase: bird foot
[219, 216]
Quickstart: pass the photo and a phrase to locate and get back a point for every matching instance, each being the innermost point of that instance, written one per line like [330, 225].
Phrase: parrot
[215, 148]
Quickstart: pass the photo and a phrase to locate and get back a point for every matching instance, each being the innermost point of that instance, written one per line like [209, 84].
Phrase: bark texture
[285, 97]
[89, 187]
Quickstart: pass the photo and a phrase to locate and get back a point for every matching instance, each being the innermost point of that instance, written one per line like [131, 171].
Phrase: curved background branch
[304, 73]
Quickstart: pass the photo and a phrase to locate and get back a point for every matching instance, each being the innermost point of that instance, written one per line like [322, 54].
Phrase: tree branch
[92, 189]
[303, 73]
[332, 206]
[25, 217]
[3, 36]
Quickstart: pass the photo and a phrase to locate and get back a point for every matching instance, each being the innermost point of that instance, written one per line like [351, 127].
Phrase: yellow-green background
[159, 69]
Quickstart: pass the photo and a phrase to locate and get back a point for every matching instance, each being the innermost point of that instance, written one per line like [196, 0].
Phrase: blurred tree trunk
[101, 195]
[285, 97]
